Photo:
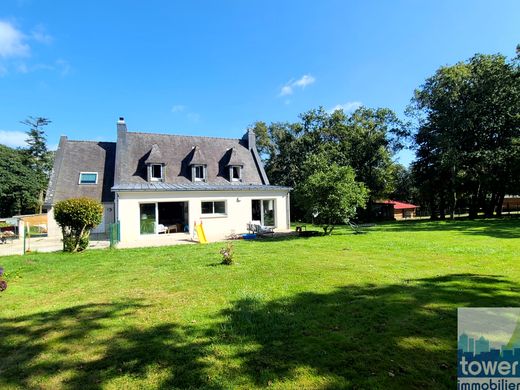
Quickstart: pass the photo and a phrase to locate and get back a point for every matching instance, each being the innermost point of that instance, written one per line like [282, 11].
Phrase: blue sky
[215, 67]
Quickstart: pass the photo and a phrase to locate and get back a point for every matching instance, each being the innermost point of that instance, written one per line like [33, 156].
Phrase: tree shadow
[401, 335]
[373, 336]
[70, 343]
[497, 228]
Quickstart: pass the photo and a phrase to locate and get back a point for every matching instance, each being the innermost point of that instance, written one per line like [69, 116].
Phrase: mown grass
[374, 310]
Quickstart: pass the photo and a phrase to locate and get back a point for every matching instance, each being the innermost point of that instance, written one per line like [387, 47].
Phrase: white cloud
[178, 108]
[13, 139]
[306, 79]
[12, 43]
[302, 82]
[39, 34]
[346, 107]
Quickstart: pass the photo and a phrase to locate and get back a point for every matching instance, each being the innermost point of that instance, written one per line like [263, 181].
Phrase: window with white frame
[235, 173]
[213, 208]
[199, 173]
[156, 172]
[88, 178]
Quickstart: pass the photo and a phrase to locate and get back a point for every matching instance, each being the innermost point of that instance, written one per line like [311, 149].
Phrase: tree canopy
[468, 135]
[20, 184]
[331, 193]
[365, 140]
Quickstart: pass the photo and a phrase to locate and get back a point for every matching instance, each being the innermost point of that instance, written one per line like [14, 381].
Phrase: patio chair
[257, 228]
[161, 228]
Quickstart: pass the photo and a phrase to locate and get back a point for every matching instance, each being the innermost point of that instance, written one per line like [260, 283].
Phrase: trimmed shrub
[76, 217]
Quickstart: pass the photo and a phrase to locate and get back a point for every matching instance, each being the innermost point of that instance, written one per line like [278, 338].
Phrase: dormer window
[235, 164]
[198, 172]
[156, 172]
[155, 164]
[235, 173]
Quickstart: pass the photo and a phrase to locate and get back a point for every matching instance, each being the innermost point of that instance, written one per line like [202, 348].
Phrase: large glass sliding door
[263, 210]
[147, 215]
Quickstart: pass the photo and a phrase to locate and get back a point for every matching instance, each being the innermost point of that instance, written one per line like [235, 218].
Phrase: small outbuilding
[393, 209]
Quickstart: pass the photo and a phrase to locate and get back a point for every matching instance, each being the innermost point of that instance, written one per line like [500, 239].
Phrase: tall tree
[467, 134]
[364, 140]
[19, 186]
[39, 158]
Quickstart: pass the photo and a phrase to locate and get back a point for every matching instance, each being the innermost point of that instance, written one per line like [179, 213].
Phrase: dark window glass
[156, 171]
[207, 207]
[235, 173]
[220, 207]
[213, 207]
[199, 172]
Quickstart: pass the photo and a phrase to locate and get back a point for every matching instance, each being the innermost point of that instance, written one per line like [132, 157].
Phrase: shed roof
[398, 205]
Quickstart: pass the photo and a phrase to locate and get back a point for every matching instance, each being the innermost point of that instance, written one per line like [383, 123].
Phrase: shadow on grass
[499, 227]
[74, 343]
[371, 336]
[391, 336]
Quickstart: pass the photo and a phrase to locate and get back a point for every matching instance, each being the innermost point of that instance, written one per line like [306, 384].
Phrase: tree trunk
[453, 205]
[500, 203]
[78, 239]
[473, 206]
[442, 207]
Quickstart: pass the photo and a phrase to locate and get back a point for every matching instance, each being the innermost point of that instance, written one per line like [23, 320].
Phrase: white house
[159, 185]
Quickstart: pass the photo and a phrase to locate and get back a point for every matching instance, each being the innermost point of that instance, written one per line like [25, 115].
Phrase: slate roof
[121, 165]
[234, 158]
[179, 152]
[155, 156]
[74, 157]
[197, 157]
[158, 186]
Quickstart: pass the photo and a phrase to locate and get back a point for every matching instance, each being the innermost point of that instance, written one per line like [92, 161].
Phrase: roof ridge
[94, 142]
[181, 135]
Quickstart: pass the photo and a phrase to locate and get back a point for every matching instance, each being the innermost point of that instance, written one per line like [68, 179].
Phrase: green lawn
[366, 311]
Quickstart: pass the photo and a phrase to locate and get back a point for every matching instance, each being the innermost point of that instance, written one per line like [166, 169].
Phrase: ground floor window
[213, 208]
[263, 210]
[164, 217]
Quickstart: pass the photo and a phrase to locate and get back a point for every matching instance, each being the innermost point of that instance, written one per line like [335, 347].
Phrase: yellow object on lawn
[200, 233]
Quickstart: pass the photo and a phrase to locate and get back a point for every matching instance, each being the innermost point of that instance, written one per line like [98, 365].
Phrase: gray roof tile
[179, 151]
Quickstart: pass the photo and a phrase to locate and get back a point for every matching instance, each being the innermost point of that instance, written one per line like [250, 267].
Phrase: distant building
[511, 203]
[393, 209]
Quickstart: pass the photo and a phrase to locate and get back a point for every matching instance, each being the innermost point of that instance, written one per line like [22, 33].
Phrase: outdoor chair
[358, 228]
[256, 228]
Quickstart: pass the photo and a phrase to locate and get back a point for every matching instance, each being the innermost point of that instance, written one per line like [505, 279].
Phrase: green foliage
[19, 185]
[77, 217]
[38, 157]
[228, 252]
[330, 193]
[468, 135]
[365, 140]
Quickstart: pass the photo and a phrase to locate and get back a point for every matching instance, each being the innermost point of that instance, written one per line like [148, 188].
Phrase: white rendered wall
[54, 231]
[238, 211]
